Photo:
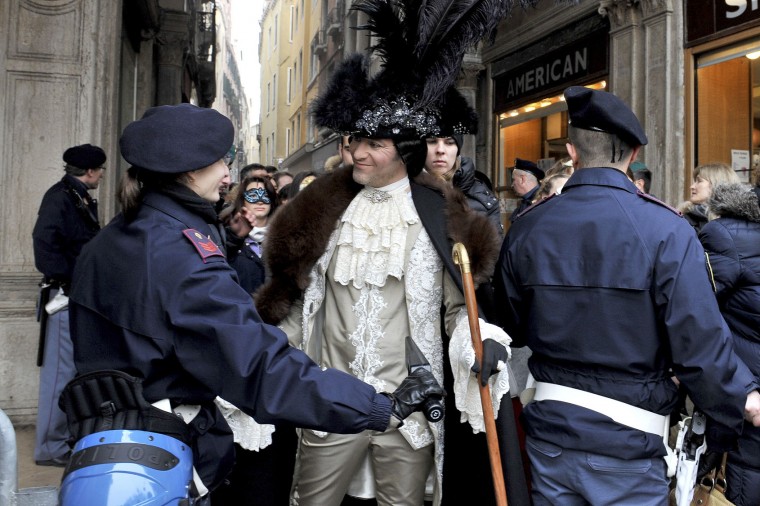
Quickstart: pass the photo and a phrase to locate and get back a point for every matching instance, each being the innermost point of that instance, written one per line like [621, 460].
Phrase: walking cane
[463, 261]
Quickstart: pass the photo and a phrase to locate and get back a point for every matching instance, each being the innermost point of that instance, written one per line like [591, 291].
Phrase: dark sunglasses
[256, 195]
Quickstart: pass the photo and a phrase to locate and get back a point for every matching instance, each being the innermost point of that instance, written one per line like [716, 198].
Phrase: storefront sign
[707, 20]
[579, 61]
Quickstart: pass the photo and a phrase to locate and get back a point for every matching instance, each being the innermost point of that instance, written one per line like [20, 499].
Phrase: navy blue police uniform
[66, 221]
[609, 289]
[190, 331]
[153, 296]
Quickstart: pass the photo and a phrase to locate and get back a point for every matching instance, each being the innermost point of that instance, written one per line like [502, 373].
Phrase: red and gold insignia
[204, 245]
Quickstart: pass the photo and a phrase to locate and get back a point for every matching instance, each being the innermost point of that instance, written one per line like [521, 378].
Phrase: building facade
[302, 42]
[74, 72]
[686, 68]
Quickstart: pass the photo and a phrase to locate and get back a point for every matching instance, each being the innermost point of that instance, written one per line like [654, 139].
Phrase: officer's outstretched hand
[413, 392]
[493, 353]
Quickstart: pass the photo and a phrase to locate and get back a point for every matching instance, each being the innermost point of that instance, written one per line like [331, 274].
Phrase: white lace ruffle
[372, 238]
[247, 432]
[462, 356]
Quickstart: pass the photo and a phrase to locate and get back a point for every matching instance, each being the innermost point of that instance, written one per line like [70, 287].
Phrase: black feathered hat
[421, 45]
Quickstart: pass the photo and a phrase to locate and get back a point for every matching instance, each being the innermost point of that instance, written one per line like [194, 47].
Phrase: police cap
[604, 112]
[85, 156]
[528, 166]
[177, 138]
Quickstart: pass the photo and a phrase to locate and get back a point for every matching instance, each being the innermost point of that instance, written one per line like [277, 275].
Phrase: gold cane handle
[461, 258]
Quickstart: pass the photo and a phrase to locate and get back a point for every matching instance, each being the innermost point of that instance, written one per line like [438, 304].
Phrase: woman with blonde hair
[706, 177]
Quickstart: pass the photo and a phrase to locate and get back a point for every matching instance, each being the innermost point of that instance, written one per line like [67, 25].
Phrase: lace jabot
[372, 238]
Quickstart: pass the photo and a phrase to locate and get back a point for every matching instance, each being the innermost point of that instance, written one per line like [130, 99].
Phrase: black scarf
[190, 200]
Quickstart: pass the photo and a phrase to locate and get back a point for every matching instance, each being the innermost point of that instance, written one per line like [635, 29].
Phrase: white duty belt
[622, 413]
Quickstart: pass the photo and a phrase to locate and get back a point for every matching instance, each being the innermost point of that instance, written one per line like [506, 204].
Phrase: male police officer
[67, 220]
[525, 178]
[595, 429]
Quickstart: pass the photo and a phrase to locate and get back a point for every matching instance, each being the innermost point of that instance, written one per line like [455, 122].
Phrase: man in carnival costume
[362, 258]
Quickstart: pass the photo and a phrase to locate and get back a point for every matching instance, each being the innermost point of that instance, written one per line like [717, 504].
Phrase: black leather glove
[412, 393]
[707, 462]
[493, 351]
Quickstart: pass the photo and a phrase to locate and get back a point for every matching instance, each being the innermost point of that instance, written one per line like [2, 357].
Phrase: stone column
[173, 40]
[627, 70]
[663, 97]
[646, 67]
[468, 87]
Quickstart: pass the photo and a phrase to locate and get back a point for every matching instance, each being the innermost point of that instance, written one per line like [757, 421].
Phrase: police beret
[529, 166]
[604, 112]
[177, 138]
[85, 156]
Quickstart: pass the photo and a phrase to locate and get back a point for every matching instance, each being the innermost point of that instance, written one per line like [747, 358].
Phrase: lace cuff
[247, 432]
[462, 356]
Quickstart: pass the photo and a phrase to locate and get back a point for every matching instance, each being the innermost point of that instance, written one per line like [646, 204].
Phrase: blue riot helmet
[128, 468]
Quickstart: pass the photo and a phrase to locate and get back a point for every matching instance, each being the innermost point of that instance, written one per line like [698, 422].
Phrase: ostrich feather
[425, 40]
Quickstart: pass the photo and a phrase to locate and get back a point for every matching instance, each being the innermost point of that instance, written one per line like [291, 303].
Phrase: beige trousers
[327, 466]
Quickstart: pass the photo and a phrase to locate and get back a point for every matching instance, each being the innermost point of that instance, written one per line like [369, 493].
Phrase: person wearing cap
[642, 177]
[66, 221]
[526, 177]
[154, 297]
[569, 277]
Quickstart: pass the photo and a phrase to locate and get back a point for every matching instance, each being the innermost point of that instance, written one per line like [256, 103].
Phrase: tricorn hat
[421, 46]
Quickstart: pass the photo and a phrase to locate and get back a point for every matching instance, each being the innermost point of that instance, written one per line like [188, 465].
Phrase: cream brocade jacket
[368, 340]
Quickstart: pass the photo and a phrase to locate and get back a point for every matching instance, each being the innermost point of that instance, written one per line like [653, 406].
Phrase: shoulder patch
[204, 246]
[648, 197]
[536, 204]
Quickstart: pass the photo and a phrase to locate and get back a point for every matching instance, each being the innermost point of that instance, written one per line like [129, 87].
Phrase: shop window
[536, 131]
[728, 108]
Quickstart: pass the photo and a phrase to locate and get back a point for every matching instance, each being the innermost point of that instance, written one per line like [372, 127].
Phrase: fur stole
[299, 232]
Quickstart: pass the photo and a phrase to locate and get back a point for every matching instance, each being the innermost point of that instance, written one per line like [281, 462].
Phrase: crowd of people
[301, 324]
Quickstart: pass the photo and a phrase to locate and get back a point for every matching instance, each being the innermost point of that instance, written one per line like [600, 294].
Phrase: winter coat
[479, 192]
[732, 243]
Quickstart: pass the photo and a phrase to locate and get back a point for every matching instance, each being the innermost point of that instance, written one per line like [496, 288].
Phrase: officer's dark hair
[74, 171]
[599, 149]
[271, 169]
[134, 183]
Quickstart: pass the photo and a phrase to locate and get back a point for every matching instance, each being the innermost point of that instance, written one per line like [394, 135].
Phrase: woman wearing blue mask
[264, 457]
[246, 228]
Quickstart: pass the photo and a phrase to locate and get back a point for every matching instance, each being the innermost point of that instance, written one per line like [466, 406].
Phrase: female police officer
[153, 296]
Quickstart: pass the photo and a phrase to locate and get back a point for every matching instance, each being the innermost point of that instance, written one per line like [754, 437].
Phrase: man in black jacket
[66, 221]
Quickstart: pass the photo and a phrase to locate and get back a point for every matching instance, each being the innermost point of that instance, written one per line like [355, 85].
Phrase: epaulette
[205, 247]
[648, 197]
[536, 204]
